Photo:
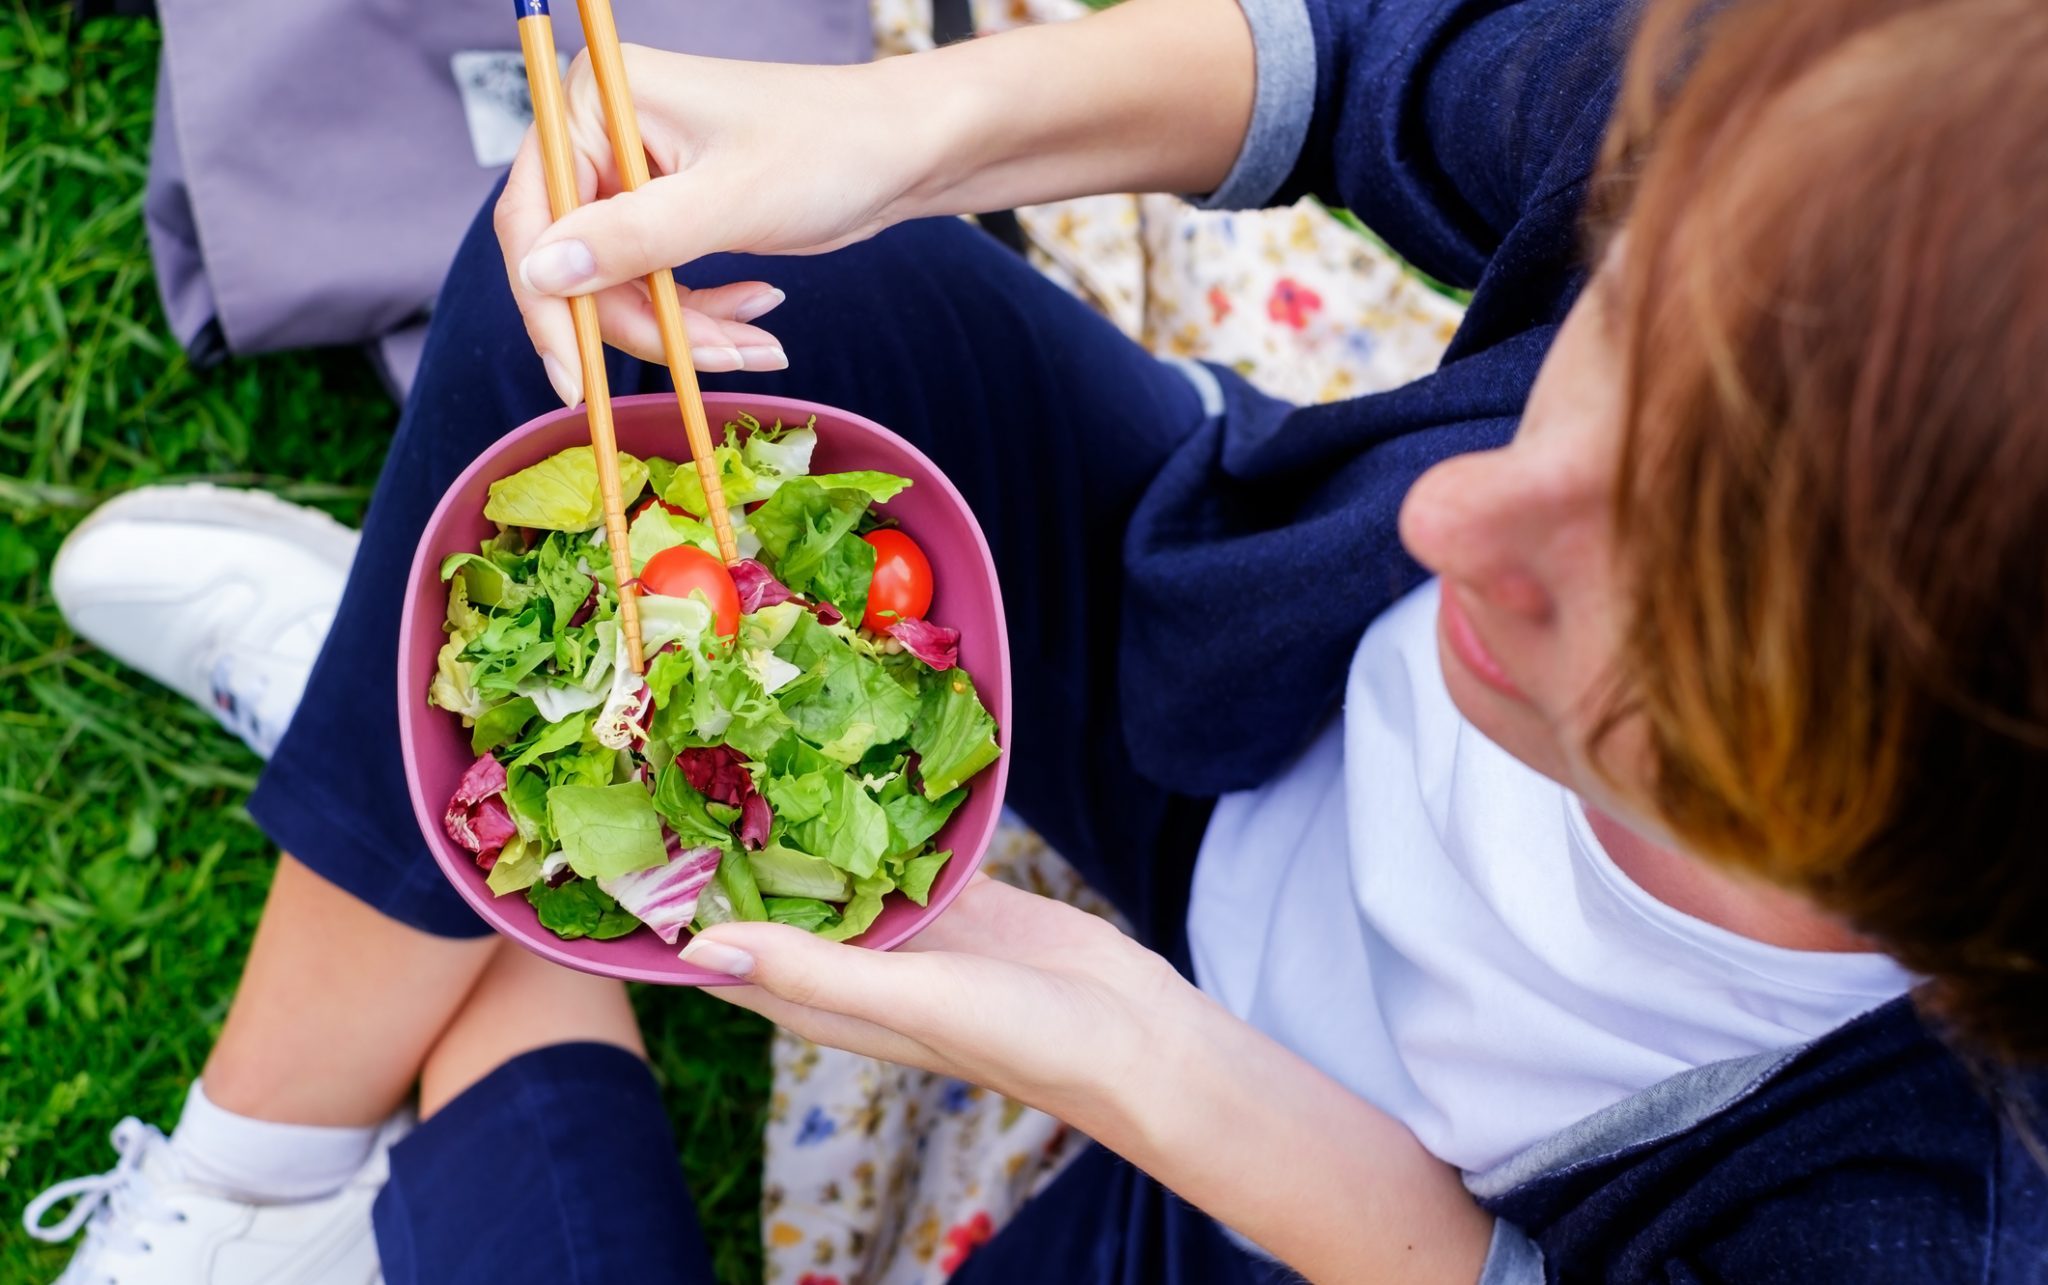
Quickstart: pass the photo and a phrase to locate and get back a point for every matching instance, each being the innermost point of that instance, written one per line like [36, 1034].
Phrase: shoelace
[122, 1192]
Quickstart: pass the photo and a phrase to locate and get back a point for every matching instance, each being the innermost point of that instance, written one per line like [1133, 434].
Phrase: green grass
[132, 876]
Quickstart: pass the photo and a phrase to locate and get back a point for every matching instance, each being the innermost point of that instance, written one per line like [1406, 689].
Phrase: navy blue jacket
[1465, 132]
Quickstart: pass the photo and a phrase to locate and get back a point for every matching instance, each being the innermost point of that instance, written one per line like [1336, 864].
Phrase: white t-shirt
[1435, 925]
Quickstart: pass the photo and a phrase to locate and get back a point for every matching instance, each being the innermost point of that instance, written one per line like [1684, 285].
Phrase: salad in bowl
[807, 742]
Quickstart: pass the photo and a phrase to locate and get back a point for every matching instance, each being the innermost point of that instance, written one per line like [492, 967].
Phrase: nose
[1473, 521]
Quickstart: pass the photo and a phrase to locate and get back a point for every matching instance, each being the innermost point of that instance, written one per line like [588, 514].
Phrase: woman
[1666, 903]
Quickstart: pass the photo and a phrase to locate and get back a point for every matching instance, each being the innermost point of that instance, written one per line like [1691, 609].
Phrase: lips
[1463, 642]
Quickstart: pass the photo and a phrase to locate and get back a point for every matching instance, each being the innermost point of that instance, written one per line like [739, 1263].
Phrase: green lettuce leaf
[454, 687]
[807, 913]
[851, 833]
[860, 913]
[484, 582]
[578, 652]
[606, 830]
[875, 488]
[658, 529]
[587, 764]
[799, 798]
[526, 798]
[550, 738]
[579, 908]
[913, 818]
[845, 574]
[556, 572]
[849, 705]
[500, 725]
[953, 735]
[464, 620]
[713, 907]
[790, 756]
[737, 879]
[735, 476]
[561, 492]
[687, 811]
[784, 872]
[659, 471]
[509, 648]
[517, 867]
[776, 455]
[800, 523]
[915, 880]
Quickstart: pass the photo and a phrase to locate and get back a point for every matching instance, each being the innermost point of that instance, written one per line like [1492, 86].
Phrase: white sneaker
[222, 595]
[146, 1225]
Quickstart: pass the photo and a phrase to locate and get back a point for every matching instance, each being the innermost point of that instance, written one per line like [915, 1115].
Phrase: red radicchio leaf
[492, 822]
[718, 772]
[476, 820]
[756, 818]
[827, 613]
[588, 608]
[665, 898]
[935, 645]
[757, 585]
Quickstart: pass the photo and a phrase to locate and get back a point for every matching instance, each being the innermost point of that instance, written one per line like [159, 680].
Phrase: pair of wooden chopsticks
[551, 122]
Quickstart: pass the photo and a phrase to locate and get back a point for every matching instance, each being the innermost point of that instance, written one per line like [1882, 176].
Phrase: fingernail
[558, 267]
[770, 357]
[717, 957]
[567, 387]
[759, 306]
[716, 358]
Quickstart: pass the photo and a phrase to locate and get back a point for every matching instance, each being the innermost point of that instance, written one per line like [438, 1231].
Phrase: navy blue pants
[1050, 422]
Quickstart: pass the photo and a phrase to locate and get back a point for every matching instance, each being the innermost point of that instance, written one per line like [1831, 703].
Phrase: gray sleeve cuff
[1512, 1259]
[1284, 54]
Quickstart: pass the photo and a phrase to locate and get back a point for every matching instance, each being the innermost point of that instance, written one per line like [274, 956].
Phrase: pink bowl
[436, 745]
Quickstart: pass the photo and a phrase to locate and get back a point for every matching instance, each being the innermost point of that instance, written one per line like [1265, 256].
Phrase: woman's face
[1533, 609]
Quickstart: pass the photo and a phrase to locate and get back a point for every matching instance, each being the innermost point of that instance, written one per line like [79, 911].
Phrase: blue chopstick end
[529, 8]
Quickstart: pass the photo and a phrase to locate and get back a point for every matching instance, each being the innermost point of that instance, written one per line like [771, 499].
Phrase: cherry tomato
[902, 587]
[685, 569]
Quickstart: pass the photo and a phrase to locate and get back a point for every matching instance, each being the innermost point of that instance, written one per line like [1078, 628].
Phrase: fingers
[715, 318]
[808, 972]
[834, 1029]
[628, 323]
[624, 236]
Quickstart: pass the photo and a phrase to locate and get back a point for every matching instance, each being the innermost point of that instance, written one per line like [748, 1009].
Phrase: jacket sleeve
[1927, 1224]
[1438, 122]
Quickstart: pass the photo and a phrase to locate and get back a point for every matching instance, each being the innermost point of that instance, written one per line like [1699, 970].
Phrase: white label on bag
[495, 101]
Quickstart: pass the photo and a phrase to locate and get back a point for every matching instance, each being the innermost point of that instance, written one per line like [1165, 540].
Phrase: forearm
[1152, 95]
[1253, 1135]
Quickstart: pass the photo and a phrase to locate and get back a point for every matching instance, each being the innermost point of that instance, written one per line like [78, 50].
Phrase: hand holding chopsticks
[551, 123]
[536, 35]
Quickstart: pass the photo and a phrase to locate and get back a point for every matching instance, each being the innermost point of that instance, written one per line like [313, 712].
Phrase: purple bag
[315, 163]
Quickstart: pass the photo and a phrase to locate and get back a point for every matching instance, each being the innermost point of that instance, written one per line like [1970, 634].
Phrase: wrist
[939, 119]
[1150, 1073]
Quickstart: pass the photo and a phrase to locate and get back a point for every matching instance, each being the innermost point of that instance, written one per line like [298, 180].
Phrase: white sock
[262, 1161]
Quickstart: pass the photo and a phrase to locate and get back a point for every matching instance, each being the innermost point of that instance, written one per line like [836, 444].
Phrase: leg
[545, 1154]
[337, 1008]
[524, 1003]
